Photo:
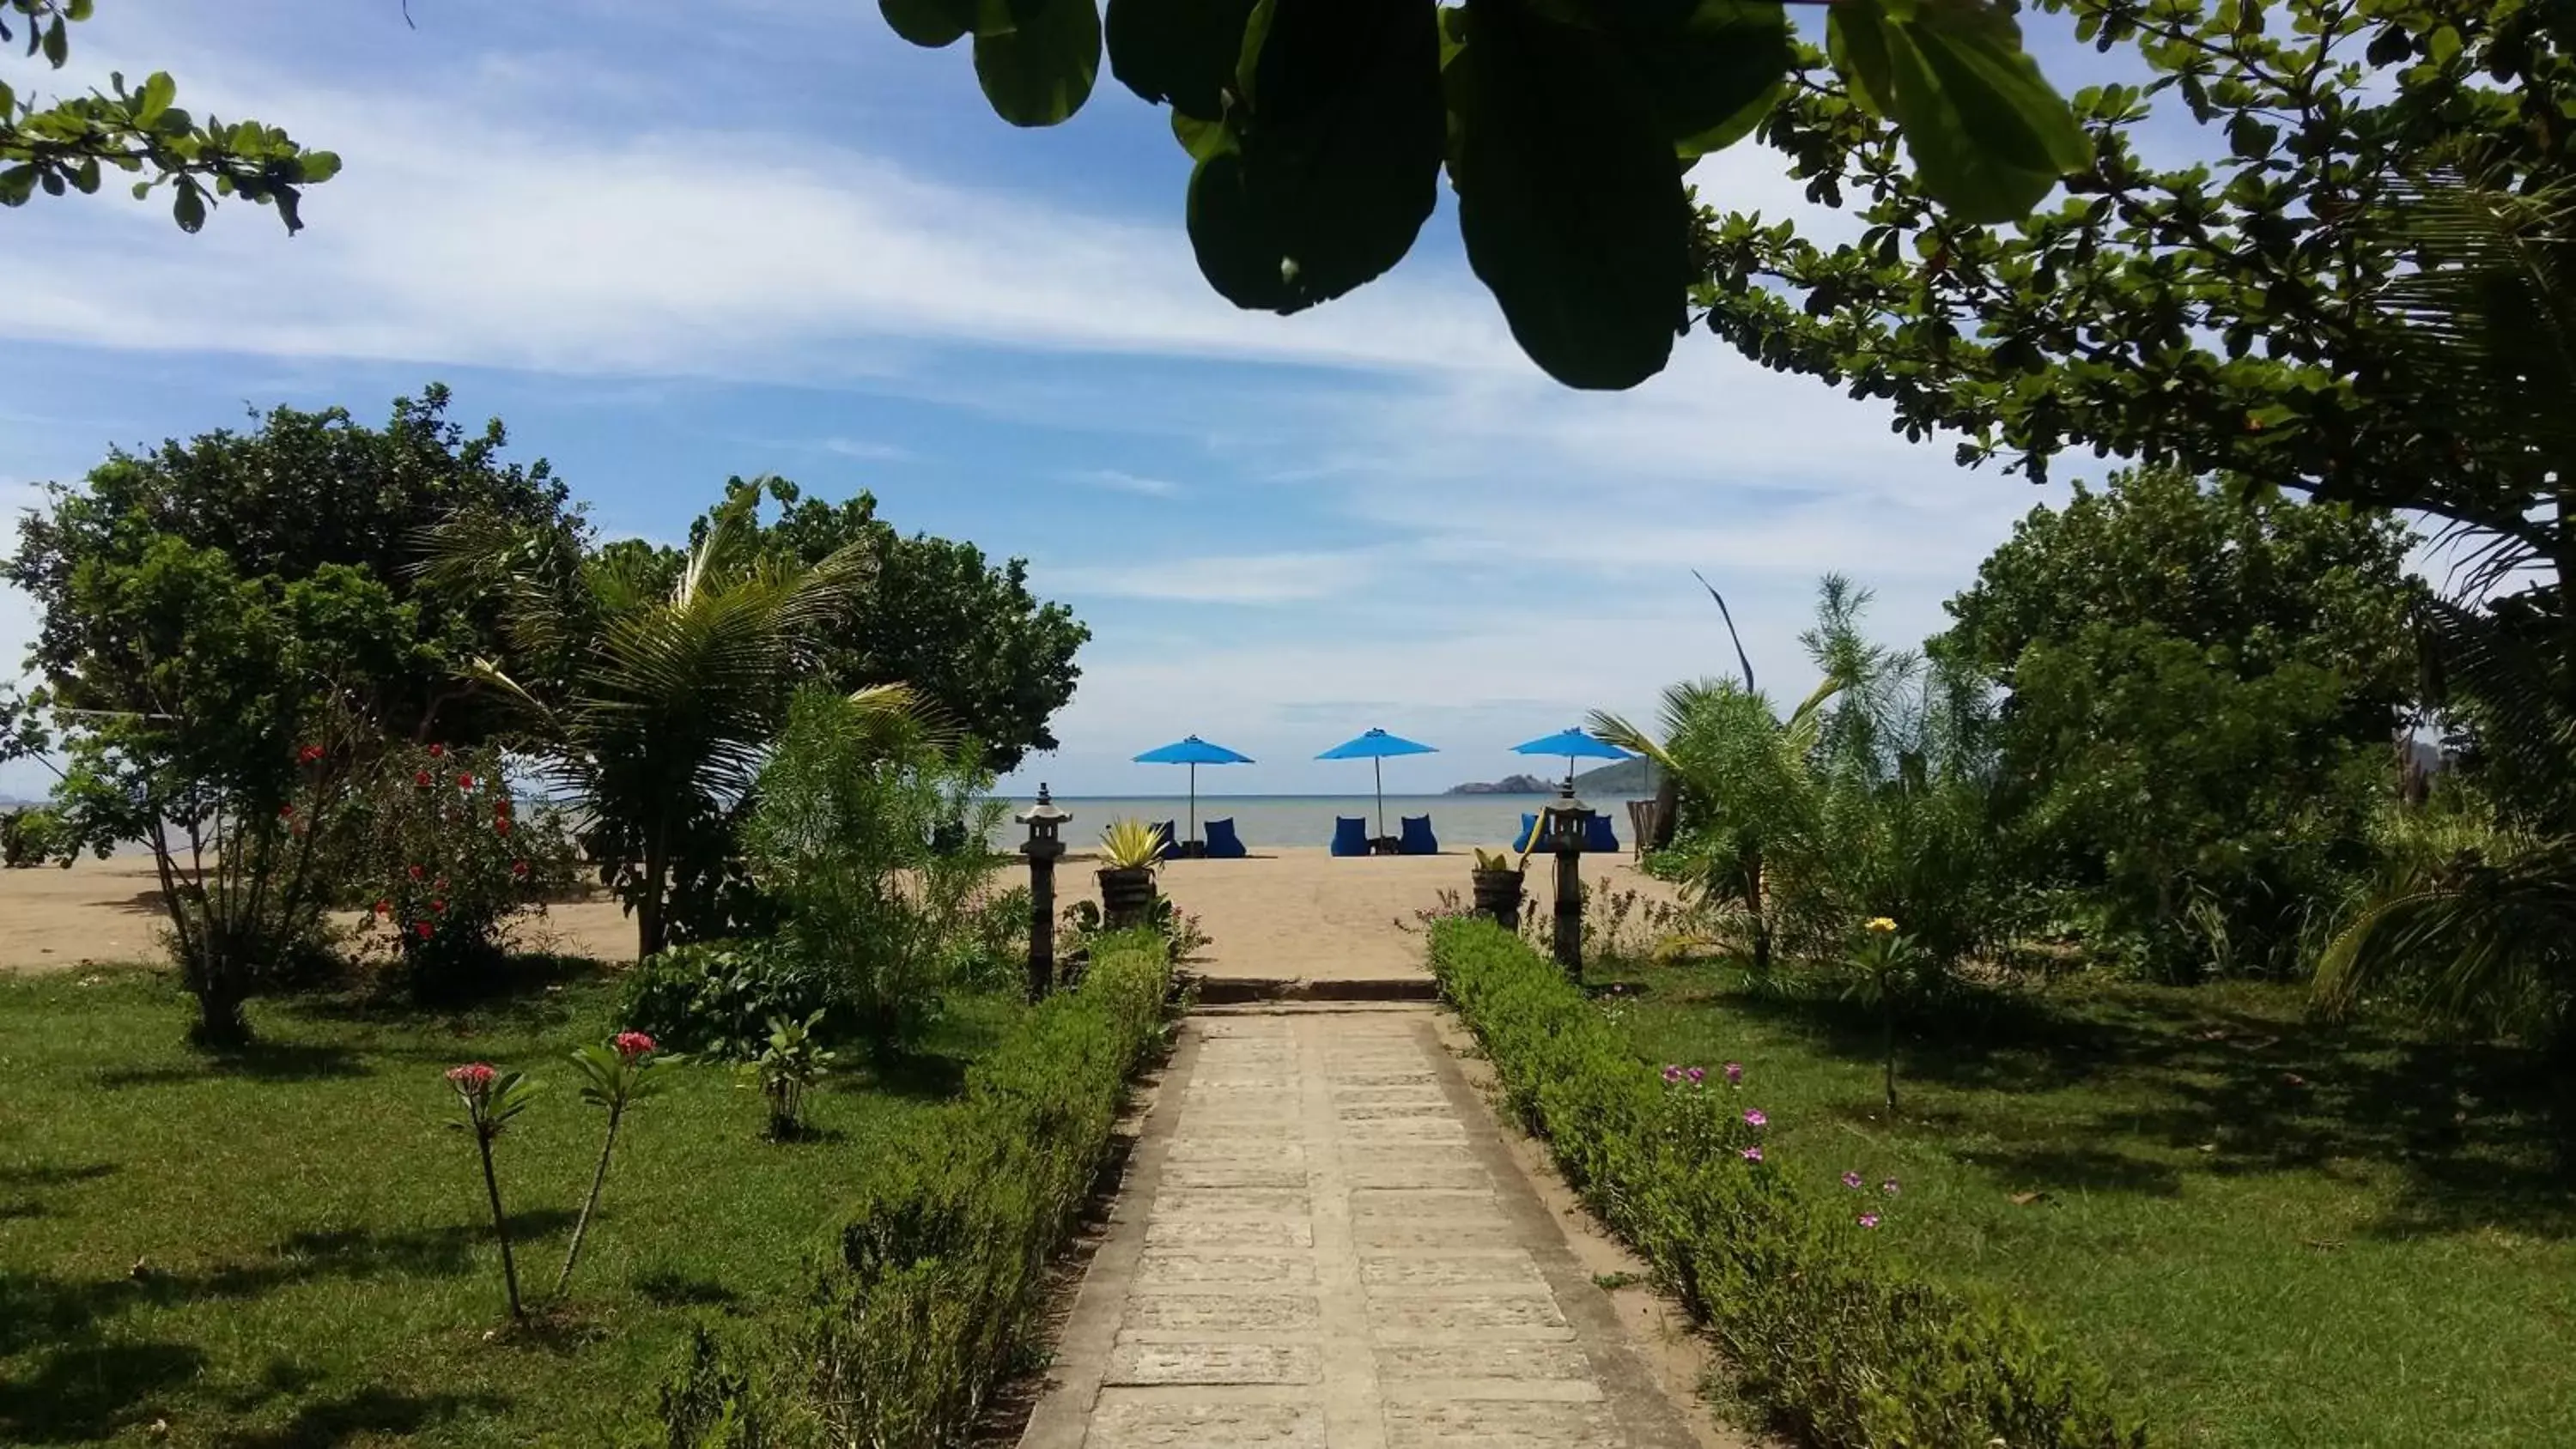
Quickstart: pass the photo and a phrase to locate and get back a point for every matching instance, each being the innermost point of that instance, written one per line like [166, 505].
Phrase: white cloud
[1274, 578]
[1120, 482]
[865, 451]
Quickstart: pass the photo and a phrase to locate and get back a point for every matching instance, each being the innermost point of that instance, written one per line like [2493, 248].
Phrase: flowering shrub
[450, 860]
[615, 1077]
[1837, 1339]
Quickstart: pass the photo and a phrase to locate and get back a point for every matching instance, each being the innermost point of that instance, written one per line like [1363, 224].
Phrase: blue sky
[672, 240]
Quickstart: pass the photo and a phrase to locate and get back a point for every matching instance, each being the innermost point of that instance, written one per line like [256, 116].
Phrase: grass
[2270, 1231]
[288, 1248]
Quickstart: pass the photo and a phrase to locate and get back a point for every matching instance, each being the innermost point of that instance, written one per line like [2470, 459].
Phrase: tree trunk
[649, 923]
[1668, 809]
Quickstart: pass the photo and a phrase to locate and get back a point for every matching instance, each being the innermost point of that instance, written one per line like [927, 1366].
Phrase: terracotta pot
[1127, 897]
[1498, 894]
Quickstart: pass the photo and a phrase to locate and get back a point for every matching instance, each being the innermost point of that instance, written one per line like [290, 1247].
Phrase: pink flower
[473, 1077]
[1696, 1074]
[1735, 1074]
[416, 871]
[632, 1044]
[1753, 1153]
[1672, 1075]
[1869, 1220]
[1888, 1187]
[1851, 1180]
[1754, 1118]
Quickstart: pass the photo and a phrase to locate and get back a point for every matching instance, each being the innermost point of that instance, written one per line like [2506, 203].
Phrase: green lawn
[289, 1249]
[2270, 1232]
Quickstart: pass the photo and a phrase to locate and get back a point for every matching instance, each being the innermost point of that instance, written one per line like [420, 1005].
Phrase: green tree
[652, 697]
[2223, 311]
[966, 636]
[301, 494]
[70, 143]
[1318, 131]
[229, 751]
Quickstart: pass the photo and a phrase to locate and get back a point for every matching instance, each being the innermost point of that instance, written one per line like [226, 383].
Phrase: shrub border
[937, 1272]
[1839, 1344]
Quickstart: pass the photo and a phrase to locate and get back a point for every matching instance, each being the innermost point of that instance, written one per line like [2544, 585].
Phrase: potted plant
[1498, 888]
[1129, 851]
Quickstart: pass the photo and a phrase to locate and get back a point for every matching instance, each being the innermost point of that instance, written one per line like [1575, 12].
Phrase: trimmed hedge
[1831, 1336]
[942, 1258]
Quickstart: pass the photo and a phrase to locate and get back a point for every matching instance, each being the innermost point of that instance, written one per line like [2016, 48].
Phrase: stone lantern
[1568, 821]
[1044, 847]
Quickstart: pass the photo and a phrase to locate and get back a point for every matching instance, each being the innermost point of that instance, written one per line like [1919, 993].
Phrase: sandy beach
[1292, 913]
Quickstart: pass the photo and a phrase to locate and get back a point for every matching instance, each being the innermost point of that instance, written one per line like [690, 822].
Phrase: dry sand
[1298, 912]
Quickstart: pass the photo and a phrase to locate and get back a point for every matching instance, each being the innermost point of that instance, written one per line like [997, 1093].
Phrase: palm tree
[654, 702]
[2487, 935]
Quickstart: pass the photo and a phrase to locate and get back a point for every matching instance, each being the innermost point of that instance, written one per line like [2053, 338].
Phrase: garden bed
[290, 1248]
[2271, 1232]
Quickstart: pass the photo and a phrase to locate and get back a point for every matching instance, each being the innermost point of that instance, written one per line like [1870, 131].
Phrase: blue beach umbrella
[1573, 744]
[1193, 752]
[1374, 747]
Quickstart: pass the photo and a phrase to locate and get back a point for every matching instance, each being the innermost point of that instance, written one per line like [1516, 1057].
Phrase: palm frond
[2489, 943]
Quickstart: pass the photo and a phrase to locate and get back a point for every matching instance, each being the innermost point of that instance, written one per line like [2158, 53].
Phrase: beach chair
[1222, 842]
[1350, 835]
[1526, 841]
[1597, 835]
[1171, 839]
[1417, 838]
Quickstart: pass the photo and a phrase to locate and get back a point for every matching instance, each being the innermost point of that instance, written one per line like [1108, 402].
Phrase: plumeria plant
[792, 1062]
[1883, 957]
[491, 1098]
[615, 1075]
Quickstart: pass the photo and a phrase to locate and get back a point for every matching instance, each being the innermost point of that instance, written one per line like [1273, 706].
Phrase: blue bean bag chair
[1417, 838]
[1598, 836]
[1222, 842]
[1170, 839]
[1350, 835]
[1525, 842]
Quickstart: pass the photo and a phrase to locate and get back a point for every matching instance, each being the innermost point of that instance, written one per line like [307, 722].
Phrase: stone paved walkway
[1323, 1244]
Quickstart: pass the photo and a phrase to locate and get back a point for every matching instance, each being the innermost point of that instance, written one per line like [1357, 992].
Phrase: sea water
[1272, 821]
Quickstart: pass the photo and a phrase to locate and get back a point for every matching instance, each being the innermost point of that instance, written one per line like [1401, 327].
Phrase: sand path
[1323, 1243]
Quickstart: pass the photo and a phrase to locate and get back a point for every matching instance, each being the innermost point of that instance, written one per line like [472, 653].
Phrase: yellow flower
[1881, 924]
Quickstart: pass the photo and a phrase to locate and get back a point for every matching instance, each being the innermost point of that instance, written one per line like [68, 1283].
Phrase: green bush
[715, 998]
[1839, 1343]
[36, 835]
[925, 1304]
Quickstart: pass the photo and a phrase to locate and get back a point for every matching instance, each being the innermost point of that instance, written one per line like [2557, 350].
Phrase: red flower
[519, 868]
[384, 908]
[632, 1044]
[502, 825]
[438, 752]
[464, 782]
[308, 754]
[440, 883]
[501, 807]
[438, 904]
[417, 872]
[423, 928]
[285, 812]
[421, 778]
[472, 1077]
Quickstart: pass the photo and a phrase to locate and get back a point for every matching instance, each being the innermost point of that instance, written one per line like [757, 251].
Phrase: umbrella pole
[1194, 800]
[1377, 767]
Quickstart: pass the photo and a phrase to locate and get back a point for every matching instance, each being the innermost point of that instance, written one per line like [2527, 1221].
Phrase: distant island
[1623, 777]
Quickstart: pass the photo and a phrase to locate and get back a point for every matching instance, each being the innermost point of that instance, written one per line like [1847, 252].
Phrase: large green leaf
[1987, 136]
[1037, 67]
[1709, 75]
[1335, 157]
[931, 23]
[1181, 51]
[1569, 196]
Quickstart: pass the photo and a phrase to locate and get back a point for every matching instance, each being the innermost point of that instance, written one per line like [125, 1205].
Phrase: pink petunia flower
[1696, 1075]
[1869, 1220]
[1754, 1118]
[1672, 1075]
[1851, 1180]
[1735, 1074]
[1888, 1187]
[1753, 1153]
